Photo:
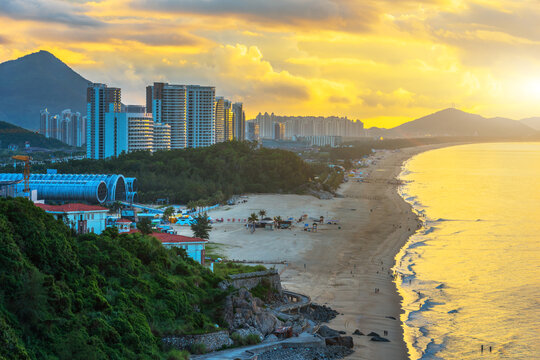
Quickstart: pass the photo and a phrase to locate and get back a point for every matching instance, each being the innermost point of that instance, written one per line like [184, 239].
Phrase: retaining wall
[250, 280]
[212, 342]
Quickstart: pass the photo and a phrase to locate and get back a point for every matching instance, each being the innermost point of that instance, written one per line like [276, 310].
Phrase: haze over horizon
[382, 62]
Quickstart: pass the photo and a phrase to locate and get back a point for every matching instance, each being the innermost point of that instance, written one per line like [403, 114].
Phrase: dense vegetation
[213, 173]
[94, 297]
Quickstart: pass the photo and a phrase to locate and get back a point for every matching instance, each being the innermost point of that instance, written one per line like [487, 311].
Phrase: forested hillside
[94, 297]
[213, 173]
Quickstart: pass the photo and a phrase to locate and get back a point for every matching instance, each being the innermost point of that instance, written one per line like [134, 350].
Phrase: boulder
[327, 332]
[345, 341]
[358, 332]
[379, 339]
[270, 339]
[373, 334]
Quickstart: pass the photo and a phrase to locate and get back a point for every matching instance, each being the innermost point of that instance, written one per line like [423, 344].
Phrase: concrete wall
[250, 280]
[212, 342]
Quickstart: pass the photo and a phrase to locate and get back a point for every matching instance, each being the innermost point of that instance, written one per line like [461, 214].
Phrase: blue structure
[77, 187]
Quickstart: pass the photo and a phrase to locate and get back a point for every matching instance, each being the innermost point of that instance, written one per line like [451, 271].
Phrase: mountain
[453, 122]
[37, 81]
[533, 122]
[12, 134]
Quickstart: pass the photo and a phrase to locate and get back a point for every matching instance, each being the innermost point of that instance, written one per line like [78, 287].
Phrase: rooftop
[71, 208]
[166, 238]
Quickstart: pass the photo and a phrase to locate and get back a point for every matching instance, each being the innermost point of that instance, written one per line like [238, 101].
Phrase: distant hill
[37, 81]
[533, 122]
[453, 122]
[12, 134]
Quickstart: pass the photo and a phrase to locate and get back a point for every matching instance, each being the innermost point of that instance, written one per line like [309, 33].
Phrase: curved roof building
[77, 187]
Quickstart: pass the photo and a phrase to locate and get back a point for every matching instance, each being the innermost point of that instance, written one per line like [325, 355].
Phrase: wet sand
[339, 265]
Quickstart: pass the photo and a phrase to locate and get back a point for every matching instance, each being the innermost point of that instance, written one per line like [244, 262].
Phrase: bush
[251, 339]
[177, 355]
[198, 349]
[264, 290]
[228, 268]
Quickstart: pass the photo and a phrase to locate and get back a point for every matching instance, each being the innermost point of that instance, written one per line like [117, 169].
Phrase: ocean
[471, 275]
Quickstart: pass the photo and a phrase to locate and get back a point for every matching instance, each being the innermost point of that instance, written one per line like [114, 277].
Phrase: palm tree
[253, 218]
[262, 213]
[201, 226]
[115, 207]
[191, 205]
[168, 213]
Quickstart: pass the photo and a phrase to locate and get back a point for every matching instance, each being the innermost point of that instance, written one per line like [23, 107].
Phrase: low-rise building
[194, 247]
[80, 217]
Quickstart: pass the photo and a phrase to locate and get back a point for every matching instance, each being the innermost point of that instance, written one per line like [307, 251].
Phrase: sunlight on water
[471, 275]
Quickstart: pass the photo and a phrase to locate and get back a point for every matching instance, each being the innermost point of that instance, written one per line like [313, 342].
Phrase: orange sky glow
[384, 62]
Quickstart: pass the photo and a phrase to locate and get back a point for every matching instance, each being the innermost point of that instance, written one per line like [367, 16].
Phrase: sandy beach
[339, 265]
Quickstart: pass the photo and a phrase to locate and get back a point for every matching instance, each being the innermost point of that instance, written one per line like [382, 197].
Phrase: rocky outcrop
[319, 313]
[243, 311]
[333, 337]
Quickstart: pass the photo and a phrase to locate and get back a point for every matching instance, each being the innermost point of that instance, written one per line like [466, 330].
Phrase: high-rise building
[279, 131]
[67, 127]
[201, 130]
[302, 126]
[239, 121]
[162, 136]
[252, 131]
[44, 123]
[54, 126]
[229, 120]
[127, 132]
[220, 118]
[188, 109]
[100, 100]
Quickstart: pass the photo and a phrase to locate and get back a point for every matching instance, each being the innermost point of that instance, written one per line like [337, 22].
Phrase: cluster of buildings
[83, 219]
[270, 126]
[67, 126]
[175, 117]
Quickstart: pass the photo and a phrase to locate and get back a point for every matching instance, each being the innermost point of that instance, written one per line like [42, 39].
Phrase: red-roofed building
[195, 247]
[80, 217]
[123, 225]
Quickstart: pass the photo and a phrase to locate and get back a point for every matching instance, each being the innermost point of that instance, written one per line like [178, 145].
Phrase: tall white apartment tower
[188, 109]
[201, 129]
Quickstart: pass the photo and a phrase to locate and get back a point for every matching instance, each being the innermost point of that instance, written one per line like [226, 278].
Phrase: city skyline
[382, 62]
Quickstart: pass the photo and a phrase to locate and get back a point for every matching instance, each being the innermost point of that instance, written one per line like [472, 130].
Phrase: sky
[384, 62]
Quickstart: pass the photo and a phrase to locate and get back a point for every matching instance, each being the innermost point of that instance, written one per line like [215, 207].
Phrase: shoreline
[339, 266]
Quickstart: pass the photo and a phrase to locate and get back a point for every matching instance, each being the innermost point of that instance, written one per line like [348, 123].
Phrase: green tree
[115, 207]
[168, 213]
[201, 226]
[145, 226]
[262, 213]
